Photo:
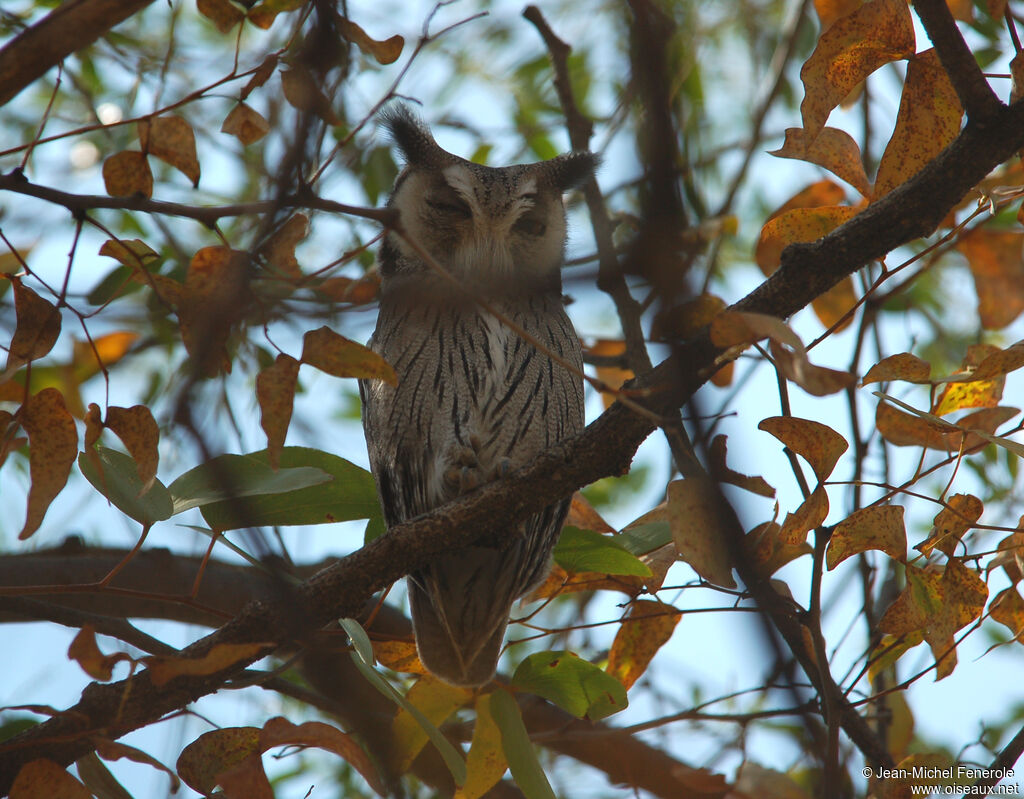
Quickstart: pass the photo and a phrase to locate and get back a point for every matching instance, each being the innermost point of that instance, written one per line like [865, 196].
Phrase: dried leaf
[1000, 362]
[878, 527]
[215, 297]
[356, 291]
[875, 34]
[646, 628]
[819, 381]
[721, 471]
[259, 77]
[214, 752]
[327, 351]
[386, 52]
[224, 14]
[170, 138]
[697, 514]
[919, 429]
[903, 366]
[302, 92]
[127, 173]
[831, 10]
[245, 124]
[818, 444]
[928, 120]
[832, 149]
[685, 320]
[162, 669]
[38, 327]
[133, 253]
[53, 447]
[275, 392]
[1008, 609]
[115, 750]
[583, 515]
[949, 525]
[44, 779]
[994, 257]
[85, 651]
[797, 225]
[833, 308]
[140, 435]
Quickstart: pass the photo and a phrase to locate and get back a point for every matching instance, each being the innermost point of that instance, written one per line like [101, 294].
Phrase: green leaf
[574, 684]
[646, 537]
[117, 478]
[311, 487]
[455, 762]
[587, 551]
[521, 756]
[360, 640]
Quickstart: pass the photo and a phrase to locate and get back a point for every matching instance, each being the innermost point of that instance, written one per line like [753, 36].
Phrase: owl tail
[460, 608]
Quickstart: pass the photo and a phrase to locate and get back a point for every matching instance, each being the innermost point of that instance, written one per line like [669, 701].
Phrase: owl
[474, 400]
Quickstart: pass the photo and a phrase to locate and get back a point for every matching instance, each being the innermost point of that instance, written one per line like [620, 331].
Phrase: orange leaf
[1008, 609]
[642, 633]
[245, 124]
[356, 291]
[275, 392]
[53, 447]
[215, 297]
[685, 320]
[831, 10]
[386, 52]
[127, 173]
[87, 653]
[115, 750]
[877, 527]
[138, 431]
[823, 192]
[696, 516]
[214, 752]
[903, 366]
[281, 732]
[797, 225]
[976, 394]
[583, 515]
[613, 376]
[162, 669]
[994, 258]
[486, 761]
[878, 32]
[108, 349]
[38, 326]
[951, 523]
[833, 149]
[44, 779]
[327, 351]
[833, 307]
[223, 14]
[818, 444]
[721, 471]
[171, 139]
[928, 120]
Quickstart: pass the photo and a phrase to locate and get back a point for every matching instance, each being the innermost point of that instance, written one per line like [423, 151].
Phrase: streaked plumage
[474, 399]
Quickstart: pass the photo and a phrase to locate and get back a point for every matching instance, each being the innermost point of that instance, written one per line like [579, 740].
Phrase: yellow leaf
[398, 656]
[53, 447]
[486, 762]
[138, 430]
[436, 700]
[641, 634]
[817, 443]
[162, 669]
[696, 515]
[89, 358]
[127, 173]
[951, 523]
[877, 527]
[903, 366]
[613, 376]
[832, 149]
[44, 779]
[275, 392]
[831, 10]
[327, 351]
[928, 120]
[878, 32]
[995, 261]
[797, 225]
[245, 124]
[170, 138]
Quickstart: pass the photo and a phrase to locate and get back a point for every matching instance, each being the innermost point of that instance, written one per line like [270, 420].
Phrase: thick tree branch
[605, 448]
[71, 26]
[976, 96]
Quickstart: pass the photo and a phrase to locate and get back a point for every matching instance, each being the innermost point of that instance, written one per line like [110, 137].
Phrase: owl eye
[451, 208]
[531, 227]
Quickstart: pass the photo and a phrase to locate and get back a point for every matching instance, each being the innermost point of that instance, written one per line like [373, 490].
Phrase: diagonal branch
[605, 448]
[72, 26]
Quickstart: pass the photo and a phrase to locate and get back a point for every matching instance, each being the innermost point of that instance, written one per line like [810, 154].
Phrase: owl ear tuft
[412, 136]
[571, 170]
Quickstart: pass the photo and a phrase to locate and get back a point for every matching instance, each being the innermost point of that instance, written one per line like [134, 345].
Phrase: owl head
[490, 227]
